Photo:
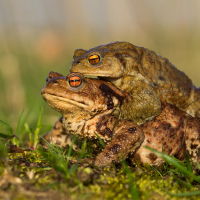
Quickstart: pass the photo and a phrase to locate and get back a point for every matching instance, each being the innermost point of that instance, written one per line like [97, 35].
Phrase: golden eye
[75, 81]
[94, 59]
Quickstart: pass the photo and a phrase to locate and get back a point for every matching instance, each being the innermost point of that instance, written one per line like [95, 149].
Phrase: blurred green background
[38, 36]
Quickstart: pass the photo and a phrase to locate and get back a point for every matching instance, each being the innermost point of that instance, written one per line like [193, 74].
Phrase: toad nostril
[55, 81]
[48, 78]
[78, 62]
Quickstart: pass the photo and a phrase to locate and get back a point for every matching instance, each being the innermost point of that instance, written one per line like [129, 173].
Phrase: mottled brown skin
[146, 76]
[89, 109]
[172, 132]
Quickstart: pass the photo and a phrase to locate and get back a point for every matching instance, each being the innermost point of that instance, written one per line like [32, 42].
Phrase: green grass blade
[10, 129]
[188, 181]
[73, 168]
[83, 148]
[40, 117]
[187, 194]
[115, 123]
[29, 133]
[15, 140]
[4, 136]
[70, 150]
[188, 163]
[37, 130]
[133, 191]
[54, 157]
[198, 165]
[181, 182]
[156, 171]
[51, 185]
[101, 141]
[173, 162]
[17, 131]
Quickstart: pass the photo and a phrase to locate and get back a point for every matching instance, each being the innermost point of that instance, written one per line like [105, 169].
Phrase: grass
[51, 172]
[34, 142]
[184, 170]
[133, 190]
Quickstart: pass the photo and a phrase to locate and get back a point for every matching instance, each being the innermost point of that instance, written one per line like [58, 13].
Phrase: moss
[116, 186]
[92, 183]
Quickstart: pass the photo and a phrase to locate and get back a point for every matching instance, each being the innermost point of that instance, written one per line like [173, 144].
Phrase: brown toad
[87, 106]
[146, 76]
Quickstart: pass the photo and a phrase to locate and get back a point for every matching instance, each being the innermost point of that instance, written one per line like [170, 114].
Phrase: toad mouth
[51, 97]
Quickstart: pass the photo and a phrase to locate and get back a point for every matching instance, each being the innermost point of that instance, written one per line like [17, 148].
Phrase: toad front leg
[127, 138]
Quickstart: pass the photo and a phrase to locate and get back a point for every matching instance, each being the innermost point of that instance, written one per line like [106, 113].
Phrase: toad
[146, 76]
[87, 106]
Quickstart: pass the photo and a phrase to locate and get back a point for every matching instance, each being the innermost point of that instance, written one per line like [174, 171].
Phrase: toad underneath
[87, 106]
[149, 78]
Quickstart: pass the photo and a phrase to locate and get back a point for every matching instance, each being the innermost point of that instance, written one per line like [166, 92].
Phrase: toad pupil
[75, 81]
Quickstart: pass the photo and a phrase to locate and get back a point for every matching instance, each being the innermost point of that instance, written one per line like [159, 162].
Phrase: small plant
[15, 139]
[34, 141]
[184, 170]
[59, 160]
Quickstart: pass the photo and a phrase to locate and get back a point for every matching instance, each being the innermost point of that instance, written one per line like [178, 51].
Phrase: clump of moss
[116, 186]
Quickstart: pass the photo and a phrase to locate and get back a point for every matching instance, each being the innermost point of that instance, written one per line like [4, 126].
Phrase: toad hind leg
[192, 138]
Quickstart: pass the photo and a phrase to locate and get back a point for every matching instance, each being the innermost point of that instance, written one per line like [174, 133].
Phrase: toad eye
[94, 59]
[75, 81]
